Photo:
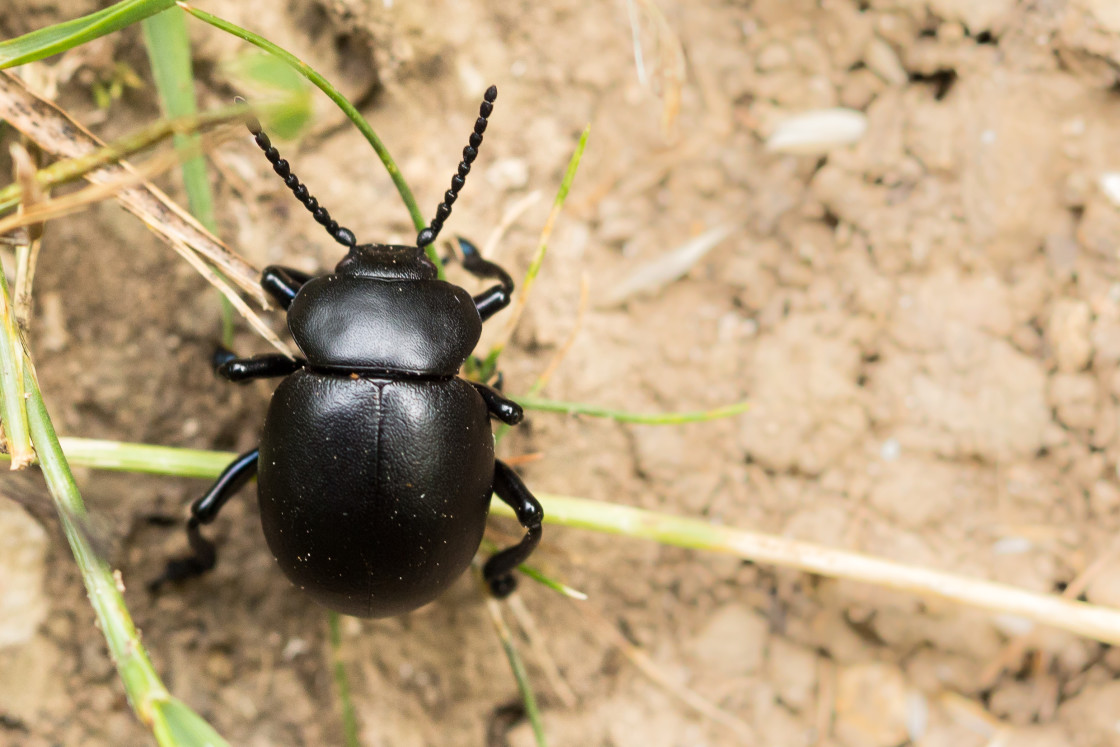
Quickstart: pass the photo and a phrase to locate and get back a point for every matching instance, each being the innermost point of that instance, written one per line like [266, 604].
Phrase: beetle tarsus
[502, 586]
[494, 299]
[203, 558]
[204, 555]
[482, 268]
[221, 355]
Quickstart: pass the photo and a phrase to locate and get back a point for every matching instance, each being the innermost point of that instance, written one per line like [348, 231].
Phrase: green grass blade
[333, 94]
[1092, 621]
[489, 364]
[118, 456]
[13, 414]
[623, 416]
[349, 715]
[491, 360]
[267, 78]
[554, 214]
[172, 722]
[71, 169]
[169, 53]
[551, 583]
[520, 673]
[69, 34]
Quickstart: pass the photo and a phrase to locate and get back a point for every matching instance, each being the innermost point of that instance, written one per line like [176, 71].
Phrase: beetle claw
[502, 586]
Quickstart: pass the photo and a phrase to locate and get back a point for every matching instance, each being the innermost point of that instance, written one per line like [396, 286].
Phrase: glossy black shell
[376, 463]
[406, 328]
[374, 492]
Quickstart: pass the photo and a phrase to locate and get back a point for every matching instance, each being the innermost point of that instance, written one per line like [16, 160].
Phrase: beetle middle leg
[502, 408]
[498, 571]
[203, 511]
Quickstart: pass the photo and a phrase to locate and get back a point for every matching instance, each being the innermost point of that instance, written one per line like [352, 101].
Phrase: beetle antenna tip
[341, 234]
[443, 210]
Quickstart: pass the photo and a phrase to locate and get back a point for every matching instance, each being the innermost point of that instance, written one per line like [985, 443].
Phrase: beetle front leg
[283, 283]
[498, 571]
[242, 370]
[203, 511]
[493, 300]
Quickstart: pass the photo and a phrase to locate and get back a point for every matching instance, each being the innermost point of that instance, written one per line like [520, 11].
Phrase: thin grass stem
[623, 416]
[171, 721]
[71, 169]
[542, 248]
[1088, 620]
[334, 95]
[520, 673]
[169, 54]
[13, 414]
[349, 715]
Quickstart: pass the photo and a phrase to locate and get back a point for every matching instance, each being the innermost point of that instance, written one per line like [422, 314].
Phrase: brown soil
[928, 323]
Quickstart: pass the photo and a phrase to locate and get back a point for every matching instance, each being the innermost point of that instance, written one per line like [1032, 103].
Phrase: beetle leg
[498, 571]
[282, 283]
[505, 410]
[203, 511]
[242, 370]
[491, 301]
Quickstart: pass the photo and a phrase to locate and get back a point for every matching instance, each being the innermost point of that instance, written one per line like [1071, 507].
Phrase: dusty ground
[928, 323]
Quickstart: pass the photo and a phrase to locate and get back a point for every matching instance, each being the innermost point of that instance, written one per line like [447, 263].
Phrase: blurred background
[918, 294]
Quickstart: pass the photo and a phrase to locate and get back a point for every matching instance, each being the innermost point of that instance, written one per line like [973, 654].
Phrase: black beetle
[376, 461]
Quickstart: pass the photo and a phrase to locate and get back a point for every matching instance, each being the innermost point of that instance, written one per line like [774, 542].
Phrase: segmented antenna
[429, 234]
[339, 233]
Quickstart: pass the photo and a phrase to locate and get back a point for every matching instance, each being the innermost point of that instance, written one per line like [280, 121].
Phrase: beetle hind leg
[498, 571]
[204, 555]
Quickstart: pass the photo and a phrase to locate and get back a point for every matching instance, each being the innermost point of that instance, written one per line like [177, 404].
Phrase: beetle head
[387, 262]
